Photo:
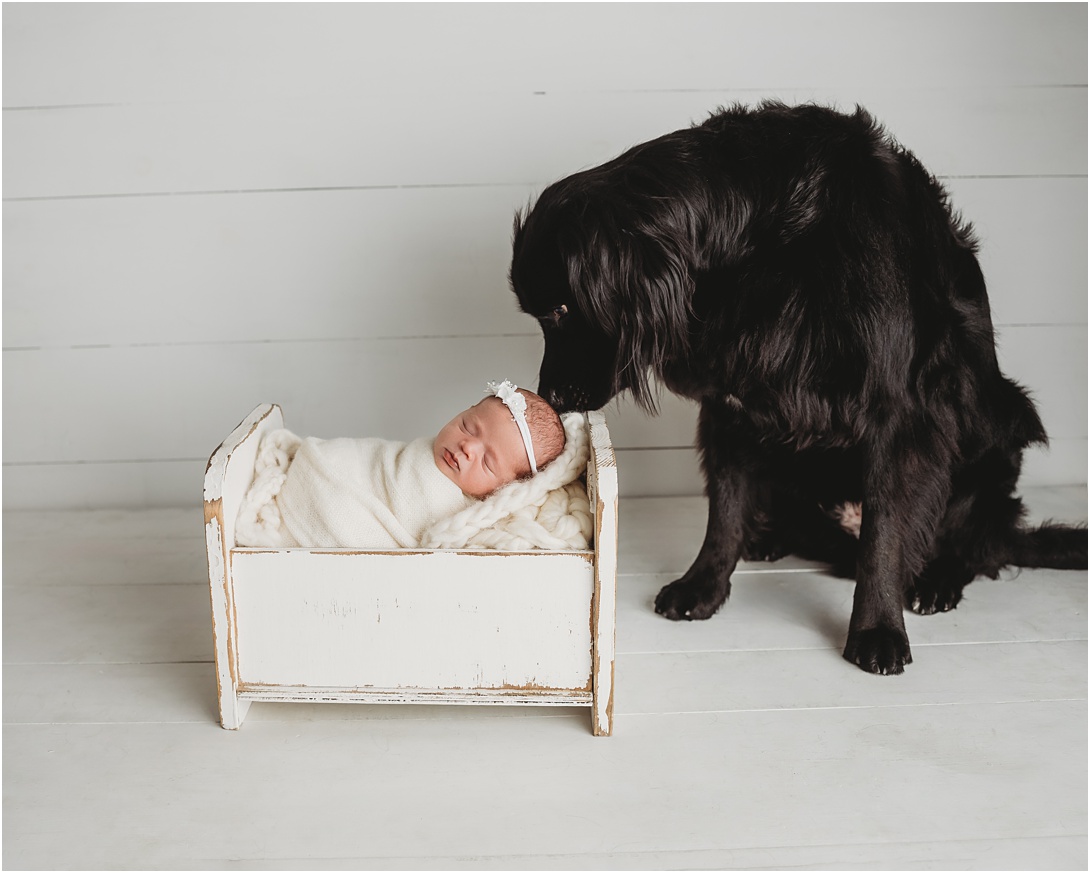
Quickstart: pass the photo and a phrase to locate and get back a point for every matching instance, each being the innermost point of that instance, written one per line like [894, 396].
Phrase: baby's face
[481, 449]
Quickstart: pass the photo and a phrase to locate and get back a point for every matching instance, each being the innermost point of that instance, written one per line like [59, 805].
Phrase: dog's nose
[558, 399]
[568, 399]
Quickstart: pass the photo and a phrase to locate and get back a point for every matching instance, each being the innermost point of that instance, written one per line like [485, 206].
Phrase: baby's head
[482, 448]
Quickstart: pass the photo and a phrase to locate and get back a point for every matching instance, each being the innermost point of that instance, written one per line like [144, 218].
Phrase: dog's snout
[570, 399]
[558, 399]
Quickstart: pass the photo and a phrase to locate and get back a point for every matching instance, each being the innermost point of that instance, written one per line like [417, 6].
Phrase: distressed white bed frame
[409, 626]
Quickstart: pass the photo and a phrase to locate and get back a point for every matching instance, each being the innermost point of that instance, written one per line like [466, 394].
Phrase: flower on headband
[508, 393]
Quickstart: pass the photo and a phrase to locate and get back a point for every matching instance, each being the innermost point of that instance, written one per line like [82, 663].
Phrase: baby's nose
[471, 447]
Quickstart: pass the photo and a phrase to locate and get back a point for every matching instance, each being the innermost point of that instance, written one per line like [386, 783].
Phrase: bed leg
[602, 723]
[232, 709]
[232, 712]
[603, 658]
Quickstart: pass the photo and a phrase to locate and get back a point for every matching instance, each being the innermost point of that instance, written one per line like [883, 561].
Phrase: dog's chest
[795, 420]
[780, 403]
[786, 415]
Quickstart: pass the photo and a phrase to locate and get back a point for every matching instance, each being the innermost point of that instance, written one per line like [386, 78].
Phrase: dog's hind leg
[767, 538]
[981, 520]
[983, 531]
[939, 587]
[785, 522]
[730, 456]
[811, 532]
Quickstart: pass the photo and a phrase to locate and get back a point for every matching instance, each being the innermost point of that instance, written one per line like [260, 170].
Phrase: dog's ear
[517, 224]
[633, 279]
[655, 322]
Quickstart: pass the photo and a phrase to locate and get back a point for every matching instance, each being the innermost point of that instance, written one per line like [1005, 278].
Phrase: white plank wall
[207, 206]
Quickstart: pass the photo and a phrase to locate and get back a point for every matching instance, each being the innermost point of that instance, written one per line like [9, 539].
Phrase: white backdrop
[208, 206]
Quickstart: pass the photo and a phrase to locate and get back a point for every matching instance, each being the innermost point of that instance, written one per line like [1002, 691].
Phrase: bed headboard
[231, 467]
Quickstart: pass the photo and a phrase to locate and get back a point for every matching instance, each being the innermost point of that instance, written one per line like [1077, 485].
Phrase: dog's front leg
[906, 484]
[729, 461]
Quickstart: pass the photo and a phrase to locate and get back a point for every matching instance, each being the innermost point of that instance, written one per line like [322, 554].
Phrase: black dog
[803, 277]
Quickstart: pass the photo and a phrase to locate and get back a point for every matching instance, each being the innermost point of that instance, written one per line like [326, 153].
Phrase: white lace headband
[514, 401]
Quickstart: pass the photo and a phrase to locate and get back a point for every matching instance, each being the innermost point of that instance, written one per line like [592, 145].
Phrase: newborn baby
[382, 494]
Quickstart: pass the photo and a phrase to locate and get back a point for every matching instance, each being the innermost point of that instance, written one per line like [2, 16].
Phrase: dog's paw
[883, 650]
[692, 597]
[938, 588]
[928, 600]
[767, 549]
[762, 554]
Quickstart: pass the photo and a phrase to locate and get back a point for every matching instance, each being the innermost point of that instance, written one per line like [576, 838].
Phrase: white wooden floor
[745, 741]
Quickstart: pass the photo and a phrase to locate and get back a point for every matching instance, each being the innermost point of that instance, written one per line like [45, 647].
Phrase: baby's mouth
[452, 462]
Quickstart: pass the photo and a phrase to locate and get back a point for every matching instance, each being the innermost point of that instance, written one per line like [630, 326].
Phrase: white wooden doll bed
[409, 626]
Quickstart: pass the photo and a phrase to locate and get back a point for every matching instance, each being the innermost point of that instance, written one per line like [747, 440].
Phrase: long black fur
[803, 277]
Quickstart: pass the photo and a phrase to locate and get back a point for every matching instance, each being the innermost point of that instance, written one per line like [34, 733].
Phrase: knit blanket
[380, 494]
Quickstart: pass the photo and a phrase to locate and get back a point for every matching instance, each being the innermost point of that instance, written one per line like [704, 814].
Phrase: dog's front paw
[883, 650]
[693, 596]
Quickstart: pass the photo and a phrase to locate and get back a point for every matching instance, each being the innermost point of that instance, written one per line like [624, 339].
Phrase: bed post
[229, 472]
[603, 482]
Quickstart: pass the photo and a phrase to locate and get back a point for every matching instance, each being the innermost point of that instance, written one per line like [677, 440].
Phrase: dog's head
[608, 286]
[579, 365]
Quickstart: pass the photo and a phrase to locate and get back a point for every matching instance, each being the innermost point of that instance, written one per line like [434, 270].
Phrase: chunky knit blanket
[378, 494]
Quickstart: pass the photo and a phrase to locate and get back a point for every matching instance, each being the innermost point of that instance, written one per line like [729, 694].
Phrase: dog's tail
[1059, 546]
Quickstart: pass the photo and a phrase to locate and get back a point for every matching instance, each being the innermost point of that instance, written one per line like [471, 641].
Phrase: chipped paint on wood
[299, 693]
[601, 447]
[216, 576]
[232, 710]
[227, 476]
[603, 473]
[216, 471]
[587, 555]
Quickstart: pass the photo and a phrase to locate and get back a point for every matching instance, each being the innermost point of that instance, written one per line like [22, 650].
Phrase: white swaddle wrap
[344, 493]
[378, 494]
